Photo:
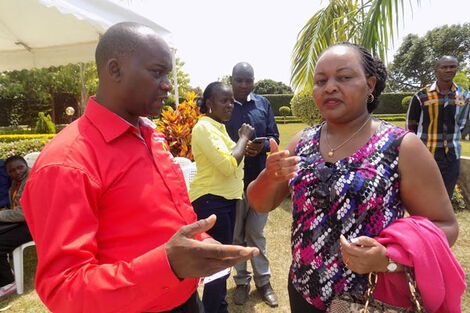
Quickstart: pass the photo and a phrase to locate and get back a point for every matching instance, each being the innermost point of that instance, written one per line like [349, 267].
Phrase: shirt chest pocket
[431, 103]
[460, 102]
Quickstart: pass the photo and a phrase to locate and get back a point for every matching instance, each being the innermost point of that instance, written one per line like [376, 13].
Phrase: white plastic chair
[18, 252]
[188, 168]
[181, 161]
[18, 266]
[31, 158]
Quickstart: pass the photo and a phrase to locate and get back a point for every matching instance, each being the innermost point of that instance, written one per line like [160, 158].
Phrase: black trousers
[297, 303]
[193, 305]
[10, 240]
[214, 294]
[450, 170]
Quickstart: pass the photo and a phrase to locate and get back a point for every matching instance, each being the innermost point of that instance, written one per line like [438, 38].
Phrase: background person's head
[446, 68]
[133, 64]
[242, 80]
[348, 81]
[16, 167]
[217, 101]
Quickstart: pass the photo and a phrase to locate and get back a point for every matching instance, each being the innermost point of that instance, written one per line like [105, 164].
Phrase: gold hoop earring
[370, 98]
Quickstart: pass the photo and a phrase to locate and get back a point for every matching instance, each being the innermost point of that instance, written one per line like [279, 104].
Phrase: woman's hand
[281, 167]
[364, 255]
[246, 131]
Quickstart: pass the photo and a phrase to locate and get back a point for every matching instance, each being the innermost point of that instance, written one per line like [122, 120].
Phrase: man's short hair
[119, 40]
[445, 57]
[243, 67]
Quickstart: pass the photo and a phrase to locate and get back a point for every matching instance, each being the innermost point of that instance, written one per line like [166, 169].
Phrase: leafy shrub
[177, 125]
[44, 124]
[458, 202]
[390, 103]
[16, 137]
[21, 147]
[303, 107]
[278, 101]
[405, 102]
[284, 110]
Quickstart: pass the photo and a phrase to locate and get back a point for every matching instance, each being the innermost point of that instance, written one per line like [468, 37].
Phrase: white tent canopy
[43, 33]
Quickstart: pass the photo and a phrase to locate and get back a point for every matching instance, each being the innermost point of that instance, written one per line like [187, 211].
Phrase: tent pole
[83, 91]
[175, 78]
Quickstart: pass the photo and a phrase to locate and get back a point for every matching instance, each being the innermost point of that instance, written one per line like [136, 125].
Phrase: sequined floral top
[356, 196]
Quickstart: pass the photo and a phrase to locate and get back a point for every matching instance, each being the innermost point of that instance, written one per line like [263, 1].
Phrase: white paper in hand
[208, 279]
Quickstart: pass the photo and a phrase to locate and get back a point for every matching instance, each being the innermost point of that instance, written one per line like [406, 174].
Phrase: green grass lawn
[278, 245]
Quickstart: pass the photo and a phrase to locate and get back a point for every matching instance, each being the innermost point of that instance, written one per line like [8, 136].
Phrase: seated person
[4, 186]
[13, 229]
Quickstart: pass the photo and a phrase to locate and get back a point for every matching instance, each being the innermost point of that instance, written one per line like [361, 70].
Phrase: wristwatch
[392, 266]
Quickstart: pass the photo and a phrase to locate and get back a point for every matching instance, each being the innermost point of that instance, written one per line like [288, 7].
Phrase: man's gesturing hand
[190, 258]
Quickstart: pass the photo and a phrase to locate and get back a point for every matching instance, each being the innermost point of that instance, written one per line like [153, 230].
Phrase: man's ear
[113, 68]
[371, 81]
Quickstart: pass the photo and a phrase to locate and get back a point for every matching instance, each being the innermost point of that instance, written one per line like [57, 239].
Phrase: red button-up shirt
[101, 202]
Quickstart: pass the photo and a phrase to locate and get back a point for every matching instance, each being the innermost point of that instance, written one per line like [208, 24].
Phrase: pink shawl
[417, 242]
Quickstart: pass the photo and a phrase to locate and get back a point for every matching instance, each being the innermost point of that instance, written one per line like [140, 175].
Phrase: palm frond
[371, 23]
[381, 24]
[334, 23]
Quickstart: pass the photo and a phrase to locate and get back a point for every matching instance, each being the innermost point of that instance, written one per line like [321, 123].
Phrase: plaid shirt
[438, 119]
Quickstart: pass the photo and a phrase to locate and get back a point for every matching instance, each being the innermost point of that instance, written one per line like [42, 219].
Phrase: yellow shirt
[217, 170]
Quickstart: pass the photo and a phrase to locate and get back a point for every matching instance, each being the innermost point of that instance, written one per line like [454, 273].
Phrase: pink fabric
[417, 242]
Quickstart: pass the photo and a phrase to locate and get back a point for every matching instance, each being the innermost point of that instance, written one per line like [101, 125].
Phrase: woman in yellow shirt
[219, 179]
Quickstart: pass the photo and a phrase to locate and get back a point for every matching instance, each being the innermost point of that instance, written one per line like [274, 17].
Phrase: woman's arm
[422, 189]
[423, 194]
[245, 132]
[270, 187]
[12, 216]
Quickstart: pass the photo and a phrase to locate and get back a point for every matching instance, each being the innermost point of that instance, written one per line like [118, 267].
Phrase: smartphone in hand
[259, 140]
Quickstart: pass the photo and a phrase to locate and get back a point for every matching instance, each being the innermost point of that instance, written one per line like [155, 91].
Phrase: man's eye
[320, 81]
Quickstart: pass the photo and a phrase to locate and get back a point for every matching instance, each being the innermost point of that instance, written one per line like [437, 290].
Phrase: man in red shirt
[107, 206]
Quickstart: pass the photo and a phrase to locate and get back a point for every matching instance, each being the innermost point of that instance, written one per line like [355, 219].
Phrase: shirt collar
[109, 124]
[248, 99]
[434, 87]
[213, 122]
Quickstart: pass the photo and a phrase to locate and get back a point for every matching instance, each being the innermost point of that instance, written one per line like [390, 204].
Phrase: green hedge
[391, 117]
[21, 147]
[287, 119]
[278, 101]
[16, 137]
[390, 103]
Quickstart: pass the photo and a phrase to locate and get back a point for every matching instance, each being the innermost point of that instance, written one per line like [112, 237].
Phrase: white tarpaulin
[42, 33]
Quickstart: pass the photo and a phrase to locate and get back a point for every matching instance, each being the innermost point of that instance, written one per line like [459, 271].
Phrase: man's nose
[166, 84]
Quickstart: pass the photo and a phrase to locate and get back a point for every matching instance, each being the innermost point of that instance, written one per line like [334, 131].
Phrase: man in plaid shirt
[437, 114]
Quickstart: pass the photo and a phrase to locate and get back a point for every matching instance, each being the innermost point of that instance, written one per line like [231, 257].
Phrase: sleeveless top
[356, 196]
